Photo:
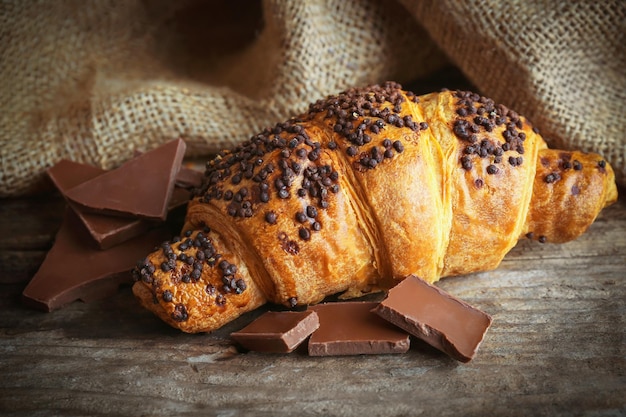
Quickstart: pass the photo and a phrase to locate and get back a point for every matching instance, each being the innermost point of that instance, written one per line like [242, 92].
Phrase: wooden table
[557, 345]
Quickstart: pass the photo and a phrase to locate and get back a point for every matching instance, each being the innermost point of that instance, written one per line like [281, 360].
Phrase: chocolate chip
[492, 169]
[270, 217]
[304, 233]
[466, 162]
[195, 274]
[180, 313]
[301, 217]
[240, 285]
[515, 161]
[314, 155]
[552, 177]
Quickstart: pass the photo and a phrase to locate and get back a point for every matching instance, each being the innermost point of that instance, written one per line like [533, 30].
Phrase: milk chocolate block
[76, 269]
[277, 332]
[141, 187]
[107, 231]
[436, 317]
[350, 328]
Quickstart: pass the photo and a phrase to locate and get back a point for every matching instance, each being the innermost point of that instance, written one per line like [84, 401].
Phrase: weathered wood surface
[557, 345]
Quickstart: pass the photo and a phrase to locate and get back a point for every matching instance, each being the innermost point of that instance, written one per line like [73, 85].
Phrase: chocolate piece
[277, 332]
[141, 187]
[76, 269]
[436, 317]
[350, 328]
[189, 178]
[107, 231]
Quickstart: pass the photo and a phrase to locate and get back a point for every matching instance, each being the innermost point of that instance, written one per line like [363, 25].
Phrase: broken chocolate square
[350, 328]
[125, 191]
[436, 317]
[107, 231]
[277, 332]
[75, 269]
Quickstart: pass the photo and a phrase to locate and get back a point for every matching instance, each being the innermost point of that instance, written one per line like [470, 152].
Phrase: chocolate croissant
[369, 186]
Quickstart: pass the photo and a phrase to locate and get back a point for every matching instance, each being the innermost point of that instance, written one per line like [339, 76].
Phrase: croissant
[367, 187]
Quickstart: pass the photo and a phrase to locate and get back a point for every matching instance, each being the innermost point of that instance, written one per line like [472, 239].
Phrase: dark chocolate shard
[75, 269]
[350, 328]
[141, 187]
[438, 318]
[277, 331]
[107, 231]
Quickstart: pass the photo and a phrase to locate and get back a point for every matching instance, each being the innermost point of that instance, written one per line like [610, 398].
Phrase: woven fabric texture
[97, 81]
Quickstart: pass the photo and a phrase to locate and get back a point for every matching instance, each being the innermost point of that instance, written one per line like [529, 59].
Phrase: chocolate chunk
[75, 269]
[107, 231]
[277, 332]
[141, 187]
[436, 317]
[189, 178]
[350, 328]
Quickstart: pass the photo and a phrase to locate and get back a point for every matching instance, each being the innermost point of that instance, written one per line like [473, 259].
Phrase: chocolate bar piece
[277, 332]
[436, 317]
[350, 328]
[141, 187]
[189, 178]
[107, 231]
[75, 268]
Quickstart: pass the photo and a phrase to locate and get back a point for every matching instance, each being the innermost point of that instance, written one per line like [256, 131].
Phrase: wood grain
[557, 345]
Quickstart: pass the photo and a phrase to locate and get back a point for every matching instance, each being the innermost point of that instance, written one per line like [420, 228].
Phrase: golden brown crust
[370, 186]
[569, 190]
[196, 283]
[485, 151]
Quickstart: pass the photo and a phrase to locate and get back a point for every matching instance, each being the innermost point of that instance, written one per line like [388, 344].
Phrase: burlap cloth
[94, 81]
